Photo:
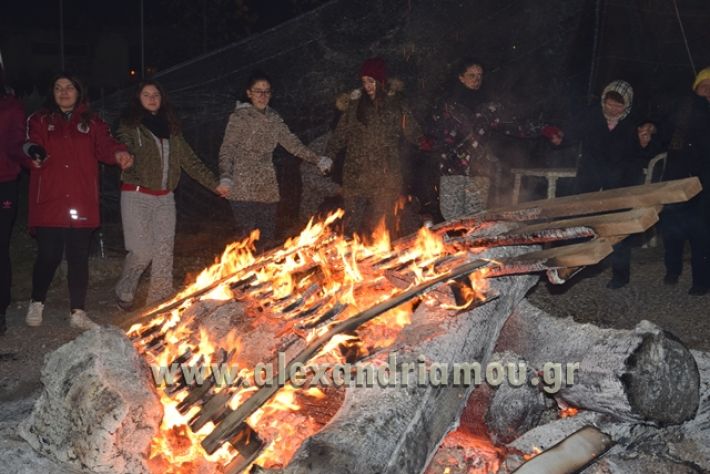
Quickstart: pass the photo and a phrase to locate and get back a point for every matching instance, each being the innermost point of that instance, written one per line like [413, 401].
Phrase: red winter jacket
[12, 136]
[64, 192]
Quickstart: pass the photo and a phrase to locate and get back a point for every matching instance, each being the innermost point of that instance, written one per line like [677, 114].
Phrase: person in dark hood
[12, 135]
[689, 155]
[616, 147]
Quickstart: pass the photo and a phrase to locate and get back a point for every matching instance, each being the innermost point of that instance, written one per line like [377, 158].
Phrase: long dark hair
[50, 105]
[365, 104]
[133, 114]
[3, 90]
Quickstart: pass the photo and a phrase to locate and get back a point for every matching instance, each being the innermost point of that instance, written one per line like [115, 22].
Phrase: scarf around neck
[157, 124]
[467, 97]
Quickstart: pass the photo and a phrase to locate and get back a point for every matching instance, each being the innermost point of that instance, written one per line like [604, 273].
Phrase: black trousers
[52, 244]
[681, 223]
[8, 212]
[251, 215]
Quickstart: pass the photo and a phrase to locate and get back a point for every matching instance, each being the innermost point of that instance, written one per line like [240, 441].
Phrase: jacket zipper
[39, 188]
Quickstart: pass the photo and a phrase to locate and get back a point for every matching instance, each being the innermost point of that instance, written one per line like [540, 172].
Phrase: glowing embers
[463, 452]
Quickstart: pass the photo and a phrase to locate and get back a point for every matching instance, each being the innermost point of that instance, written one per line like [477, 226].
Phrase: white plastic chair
[650, 173]
[650, 170]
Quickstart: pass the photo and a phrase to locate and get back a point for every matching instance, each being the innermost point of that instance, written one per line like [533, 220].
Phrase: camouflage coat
[372, 156]
[245, 157]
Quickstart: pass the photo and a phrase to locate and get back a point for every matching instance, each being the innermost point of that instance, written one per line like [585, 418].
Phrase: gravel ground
[22, 349]
[584, 298]
[587, 300]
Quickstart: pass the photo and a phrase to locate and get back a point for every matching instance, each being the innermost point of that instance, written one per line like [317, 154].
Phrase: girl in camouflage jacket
[370, 131]
[253, 132]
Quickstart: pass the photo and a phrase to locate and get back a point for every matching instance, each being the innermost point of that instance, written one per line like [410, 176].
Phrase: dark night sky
[202, 25]
[91, 13]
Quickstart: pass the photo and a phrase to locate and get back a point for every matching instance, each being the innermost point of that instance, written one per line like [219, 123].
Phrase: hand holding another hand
[124, 159]
[324, 165]
[37, 154]
[554, 134]
[222, 190]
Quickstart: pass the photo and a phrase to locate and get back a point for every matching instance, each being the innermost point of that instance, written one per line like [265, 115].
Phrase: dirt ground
[584, 298]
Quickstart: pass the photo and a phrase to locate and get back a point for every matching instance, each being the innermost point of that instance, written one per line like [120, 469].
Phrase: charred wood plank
[531, 237]
[634, 221]
[214, 407]
[248, 445]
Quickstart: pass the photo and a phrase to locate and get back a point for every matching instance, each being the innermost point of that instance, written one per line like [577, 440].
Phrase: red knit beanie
[374, 68]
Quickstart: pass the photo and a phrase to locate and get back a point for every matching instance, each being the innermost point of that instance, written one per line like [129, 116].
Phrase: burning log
[641, 375]
[515, 406]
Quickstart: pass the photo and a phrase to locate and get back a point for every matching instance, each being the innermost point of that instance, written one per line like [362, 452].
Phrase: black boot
[3, 325]
[619, 279]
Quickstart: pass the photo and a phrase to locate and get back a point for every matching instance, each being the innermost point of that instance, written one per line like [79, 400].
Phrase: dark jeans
[687, 222]
[251, 215]
[8, 212]
[52, 243]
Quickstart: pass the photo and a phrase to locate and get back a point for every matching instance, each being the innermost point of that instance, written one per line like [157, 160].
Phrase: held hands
[554, 134]
[645, 133]
[222, 190]
[324, 165]
[426, 144]
[124, 159]
[37, 154]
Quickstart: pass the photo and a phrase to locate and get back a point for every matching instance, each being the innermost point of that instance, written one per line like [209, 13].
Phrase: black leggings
[52, 243]
[8, 211]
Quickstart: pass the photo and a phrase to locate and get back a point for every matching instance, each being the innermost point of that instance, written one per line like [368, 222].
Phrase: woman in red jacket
[65, 142]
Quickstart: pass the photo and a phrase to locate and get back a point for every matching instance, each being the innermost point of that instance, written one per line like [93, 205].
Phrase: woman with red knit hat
[369, 131]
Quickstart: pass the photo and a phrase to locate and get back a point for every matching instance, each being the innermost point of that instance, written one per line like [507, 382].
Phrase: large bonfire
[317, 269]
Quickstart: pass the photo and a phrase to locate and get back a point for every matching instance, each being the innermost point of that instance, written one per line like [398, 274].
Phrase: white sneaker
[78, 319]
[34, 313]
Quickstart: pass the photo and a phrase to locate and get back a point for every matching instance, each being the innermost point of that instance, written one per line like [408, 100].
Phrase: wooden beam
[646, 195]
[575, 255]
[616, 223]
